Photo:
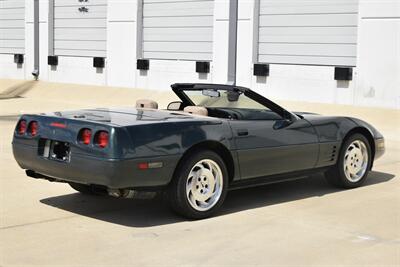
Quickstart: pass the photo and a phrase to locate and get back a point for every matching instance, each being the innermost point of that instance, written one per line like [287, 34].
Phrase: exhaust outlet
[122, 193]
[130, 194]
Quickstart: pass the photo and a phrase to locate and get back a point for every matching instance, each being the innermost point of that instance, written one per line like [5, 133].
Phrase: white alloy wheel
[204, 185]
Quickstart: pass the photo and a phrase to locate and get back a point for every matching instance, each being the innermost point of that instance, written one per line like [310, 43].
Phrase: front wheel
[199, 186]
[353, 164]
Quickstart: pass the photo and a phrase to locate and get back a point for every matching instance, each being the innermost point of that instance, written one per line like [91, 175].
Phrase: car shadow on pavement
[153, 212]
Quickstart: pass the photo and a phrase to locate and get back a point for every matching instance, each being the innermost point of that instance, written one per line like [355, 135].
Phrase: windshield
[215, 98]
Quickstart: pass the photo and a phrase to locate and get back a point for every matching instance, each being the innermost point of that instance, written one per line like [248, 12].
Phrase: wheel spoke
[203, 188]
[355, 161]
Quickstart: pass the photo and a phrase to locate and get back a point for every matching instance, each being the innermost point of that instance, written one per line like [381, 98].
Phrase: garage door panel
[12, 26]
[74, 13]
[308, 7]
[84, 34]
[12, 13]
[308, 60]
[12, 43]
[91, 45]
[308, 49]
[78, 33]
[80, 23]
[76, 3]
[346, 35]
[7, 50]
[308, 31]
[178, 56]
[8, 4]
[321, 32]
[175, 1]
[80, 53]
[203, 47]
[165, 9]
[12, 23]
[178, 34]
[165, 22]
[12, 34]
[325, 39]
[308, 20]
[178, 29]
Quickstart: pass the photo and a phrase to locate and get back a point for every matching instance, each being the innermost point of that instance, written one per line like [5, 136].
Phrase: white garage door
[178, 29]
[12, 26]
[317, 32]
[80, 28]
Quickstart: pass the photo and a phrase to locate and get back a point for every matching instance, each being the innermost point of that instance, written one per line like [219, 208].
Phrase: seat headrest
[196, 110]
[146, 103]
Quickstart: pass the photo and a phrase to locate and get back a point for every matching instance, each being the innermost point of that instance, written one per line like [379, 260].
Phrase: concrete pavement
[303, 222]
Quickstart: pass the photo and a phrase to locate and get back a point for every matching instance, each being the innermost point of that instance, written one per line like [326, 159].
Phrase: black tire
[87, 189]
[176, 192]
[336, 175]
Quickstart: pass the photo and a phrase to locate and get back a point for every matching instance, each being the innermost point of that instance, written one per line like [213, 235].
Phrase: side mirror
[280, 124]
[176, 105]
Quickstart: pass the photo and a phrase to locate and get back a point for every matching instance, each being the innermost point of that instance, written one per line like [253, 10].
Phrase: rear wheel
[353, 164]
[199, 186]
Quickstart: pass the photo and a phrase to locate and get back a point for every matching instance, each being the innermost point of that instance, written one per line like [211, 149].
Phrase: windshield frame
[179, 89]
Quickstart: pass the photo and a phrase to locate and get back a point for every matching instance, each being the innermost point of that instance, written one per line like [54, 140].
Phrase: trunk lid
[125, 116]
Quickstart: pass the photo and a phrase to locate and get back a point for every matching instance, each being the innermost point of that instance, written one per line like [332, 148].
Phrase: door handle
[242, 132]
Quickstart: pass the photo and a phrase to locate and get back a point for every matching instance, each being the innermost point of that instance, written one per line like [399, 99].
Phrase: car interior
[218, 112]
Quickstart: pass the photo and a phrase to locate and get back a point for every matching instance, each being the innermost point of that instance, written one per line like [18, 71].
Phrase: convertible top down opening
[216, 138]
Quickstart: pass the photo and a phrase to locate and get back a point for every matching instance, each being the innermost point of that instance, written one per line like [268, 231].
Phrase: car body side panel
[331, 132]
[175, 138]
[267, 150]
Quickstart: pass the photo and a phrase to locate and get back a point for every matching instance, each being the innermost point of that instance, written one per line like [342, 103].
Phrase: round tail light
[101, 139]
[85, 136]
[21, 127]
[33, 128]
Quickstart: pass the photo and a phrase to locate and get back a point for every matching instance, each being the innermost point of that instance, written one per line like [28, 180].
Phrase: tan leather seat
[146, 103]
[196, 110]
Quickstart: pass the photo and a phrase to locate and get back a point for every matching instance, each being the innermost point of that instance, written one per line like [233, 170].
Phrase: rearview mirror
[233, 96]
[211, 93]
[176, 105]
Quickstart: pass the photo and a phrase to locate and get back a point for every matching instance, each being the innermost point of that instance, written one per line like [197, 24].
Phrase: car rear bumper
[112, 173]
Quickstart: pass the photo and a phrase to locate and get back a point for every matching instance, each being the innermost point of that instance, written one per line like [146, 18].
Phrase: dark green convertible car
[216, 138]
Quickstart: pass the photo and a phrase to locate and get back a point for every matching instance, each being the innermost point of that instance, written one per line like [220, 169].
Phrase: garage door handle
[242, 132]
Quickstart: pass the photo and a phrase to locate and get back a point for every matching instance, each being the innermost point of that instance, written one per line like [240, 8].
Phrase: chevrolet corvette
[214, 139]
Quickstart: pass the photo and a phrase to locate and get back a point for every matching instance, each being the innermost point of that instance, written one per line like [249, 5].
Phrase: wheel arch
[216, 147]
[365, 132]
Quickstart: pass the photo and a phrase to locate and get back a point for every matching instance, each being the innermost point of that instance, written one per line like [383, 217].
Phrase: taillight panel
[101, 139]
[33, 128]
[21, 127]
[85, 136]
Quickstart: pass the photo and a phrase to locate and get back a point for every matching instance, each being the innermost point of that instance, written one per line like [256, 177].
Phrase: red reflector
[85, 136]
[33, 128]
[143, 166]
[58, 125]
[21, 129]
[101, 139]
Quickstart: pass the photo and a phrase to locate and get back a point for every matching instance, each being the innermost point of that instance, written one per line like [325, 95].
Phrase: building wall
[374, 36]
[12, 37]
[378, 78]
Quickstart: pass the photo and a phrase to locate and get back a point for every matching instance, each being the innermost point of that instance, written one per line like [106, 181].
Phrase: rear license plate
[57, 150]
